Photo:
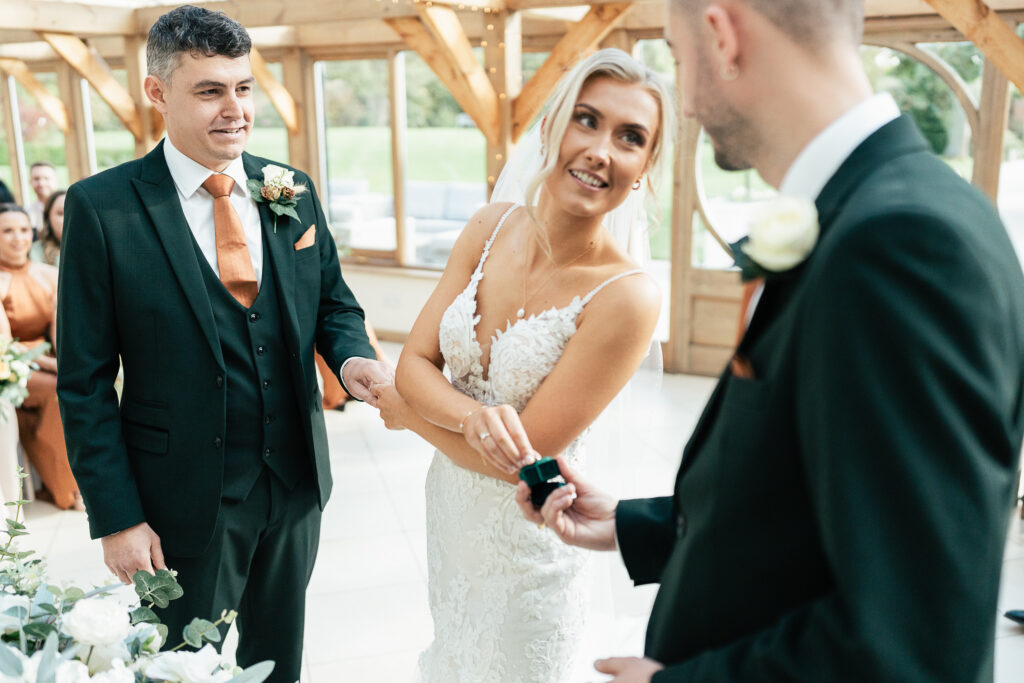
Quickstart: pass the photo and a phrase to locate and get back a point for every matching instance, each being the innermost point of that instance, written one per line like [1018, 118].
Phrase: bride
[541, 318]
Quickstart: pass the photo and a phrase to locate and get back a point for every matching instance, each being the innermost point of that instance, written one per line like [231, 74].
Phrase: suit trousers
[259, 563]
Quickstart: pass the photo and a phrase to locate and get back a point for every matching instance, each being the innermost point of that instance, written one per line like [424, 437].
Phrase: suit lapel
[896, 138]
[281, 254]
[159, 198]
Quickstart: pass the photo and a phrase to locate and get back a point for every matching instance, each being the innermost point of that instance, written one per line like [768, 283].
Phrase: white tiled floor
[367, 604]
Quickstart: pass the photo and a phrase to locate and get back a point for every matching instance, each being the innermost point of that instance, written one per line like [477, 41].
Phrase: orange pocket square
[307, 239]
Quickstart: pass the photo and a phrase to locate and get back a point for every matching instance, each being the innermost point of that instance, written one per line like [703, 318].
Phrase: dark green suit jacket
[842, 516]
[131, 286]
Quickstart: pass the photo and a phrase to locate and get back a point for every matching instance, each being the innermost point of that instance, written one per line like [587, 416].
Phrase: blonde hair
[619, 66]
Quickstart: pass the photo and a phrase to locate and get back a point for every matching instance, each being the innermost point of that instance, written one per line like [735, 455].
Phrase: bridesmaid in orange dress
[29, 292]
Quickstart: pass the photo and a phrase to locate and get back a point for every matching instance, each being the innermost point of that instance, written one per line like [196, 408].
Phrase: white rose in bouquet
[98, 622]
[204, 666]
[73, 671]
[118, 673]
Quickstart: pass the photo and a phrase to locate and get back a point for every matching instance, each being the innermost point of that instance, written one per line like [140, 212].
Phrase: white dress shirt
[822, 157]
[197, 205]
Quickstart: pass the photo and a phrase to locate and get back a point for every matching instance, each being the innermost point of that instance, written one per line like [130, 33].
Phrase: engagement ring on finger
[485, 436]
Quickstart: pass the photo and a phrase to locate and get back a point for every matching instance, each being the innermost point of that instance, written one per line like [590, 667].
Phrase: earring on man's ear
[729, 72]
[636, 185]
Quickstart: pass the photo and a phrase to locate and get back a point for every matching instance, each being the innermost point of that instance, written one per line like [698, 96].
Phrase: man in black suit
[215, 464]
[841, 507]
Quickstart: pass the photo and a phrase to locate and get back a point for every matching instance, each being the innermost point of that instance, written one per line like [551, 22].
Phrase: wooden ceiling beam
[86, 18]
[996, 39]
[50, 103]
[580, 40]
[279, 96]
[93, 69]
[253, 13]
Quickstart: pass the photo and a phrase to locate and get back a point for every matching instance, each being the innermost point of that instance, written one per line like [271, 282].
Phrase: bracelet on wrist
[462, 422]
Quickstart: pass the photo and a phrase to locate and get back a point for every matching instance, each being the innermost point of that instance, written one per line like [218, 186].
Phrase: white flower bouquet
[53, 634]
[17, 362]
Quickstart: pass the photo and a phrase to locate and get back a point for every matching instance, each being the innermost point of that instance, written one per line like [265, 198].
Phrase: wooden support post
[15, 144]
[50, 103]
[582, 39]
[996, 39]
[80, 157]
[503, 61]
[619, 38]
[301, 78]
[90, 66]
[405, 243]
[684, 210]
[152, 122]
[988, 145]
[279, 96]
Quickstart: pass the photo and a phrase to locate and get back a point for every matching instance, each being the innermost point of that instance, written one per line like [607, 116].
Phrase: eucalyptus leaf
[47, 672]
[192, 635]
[257, 673]
[144, 615]
[255, 186]
[40, 629]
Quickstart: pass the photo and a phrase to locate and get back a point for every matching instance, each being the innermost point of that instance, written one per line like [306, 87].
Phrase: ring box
[542, 477]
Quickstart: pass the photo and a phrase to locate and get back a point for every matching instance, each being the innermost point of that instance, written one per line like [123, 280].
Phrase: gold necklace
[522, 309]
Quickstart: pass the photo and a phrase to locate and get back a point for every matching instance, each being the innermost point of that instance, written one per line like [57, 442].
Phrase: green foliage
[157, 589]
[200, 631]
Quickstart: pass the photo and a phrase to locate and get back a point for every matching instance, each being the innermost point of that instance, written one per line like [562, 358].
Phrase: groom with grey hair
[841, 508]
[211, 274]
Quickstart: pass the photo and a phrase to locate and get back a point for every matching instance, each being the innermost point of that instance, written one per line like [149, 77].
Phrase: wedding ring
[485, 436]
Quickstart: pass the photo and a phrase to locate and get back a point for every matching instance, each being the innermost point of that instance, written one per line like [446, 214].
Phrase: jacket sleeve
[909, 362]
[645, 529]
[341, 326]
[87, 358]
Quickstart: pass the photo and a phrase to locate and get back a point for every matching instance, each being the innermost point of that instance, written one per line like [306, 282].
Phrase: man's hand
[360, 374]
[628, 669]
[135, 548]
[578, 513]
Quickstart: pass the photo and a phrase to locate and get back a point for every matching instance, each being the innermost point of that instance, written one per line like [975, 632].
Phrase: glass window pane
[44, 141]
[1011, 176]
[445, 166]
[114, 143]
[359, 197]
[269, 137]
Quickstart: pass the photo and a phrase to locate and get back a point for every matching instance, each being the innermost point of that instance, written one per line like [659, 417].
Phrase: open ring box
[542, 477]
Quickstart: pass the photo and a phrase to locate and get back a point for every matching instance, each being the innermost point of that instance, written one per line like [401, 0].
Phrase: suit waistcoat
[263, 422]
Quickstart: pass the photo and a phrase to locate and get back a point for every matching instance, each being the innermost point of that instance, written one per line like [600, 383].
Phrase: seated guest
[29, 293]
[43, 179]
[5, 195]
[47, 248]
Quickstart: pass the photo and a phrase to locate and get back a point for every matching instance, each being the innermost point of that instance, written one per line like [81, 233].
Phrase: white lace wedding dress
[508, 600]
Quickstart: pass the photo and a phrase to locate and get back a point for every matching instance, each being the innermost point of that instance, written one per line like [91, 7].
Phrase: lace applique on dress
[508, 600]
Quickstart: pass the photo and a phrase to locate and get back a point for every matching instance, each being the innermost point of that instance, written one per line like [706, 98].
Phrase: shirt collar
[189, 175]
[823, 156]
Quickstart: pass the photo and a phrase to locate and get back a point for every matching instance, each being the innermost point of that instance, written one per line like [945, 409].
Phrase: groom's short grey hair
[194, 30]
[813, 23]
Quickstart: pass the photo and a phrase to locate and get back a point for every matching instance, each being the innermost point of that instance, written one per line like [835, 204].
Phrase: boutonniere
[783, 233]
[278, 190]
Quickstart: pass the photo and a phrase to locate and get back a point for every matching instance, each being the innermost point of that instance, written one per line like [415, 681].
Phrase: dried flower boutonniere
[278, 190]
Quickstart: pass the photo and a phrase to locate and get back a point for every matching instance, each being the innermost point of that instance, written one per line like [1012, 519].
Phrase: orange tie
[233, 260]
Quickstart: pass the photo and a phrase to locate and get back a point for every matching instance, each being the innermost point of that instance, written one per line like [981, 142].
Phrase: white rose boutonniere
[783, 233]
[278, 190]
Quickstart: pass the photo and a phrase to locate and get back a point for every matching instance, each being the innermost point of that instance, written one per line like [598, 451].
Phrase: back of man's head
[197, 31]
[812, 23]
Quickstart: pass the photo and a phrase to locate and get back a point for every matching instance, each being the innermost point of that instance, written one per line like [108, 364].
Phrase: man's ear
[724, 40]
[154, 88]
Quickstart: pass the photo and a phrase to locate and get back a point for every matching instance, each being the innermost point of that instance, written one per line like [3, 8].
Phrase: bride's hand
[497, 434]
[578, 513]
[392, 406]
